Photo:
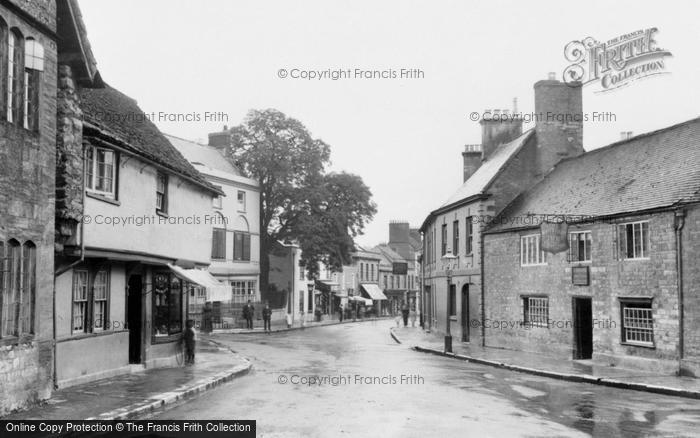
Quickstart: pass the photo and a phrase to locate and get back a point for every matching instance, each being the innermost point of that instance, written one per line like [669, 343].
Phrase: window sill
[14, 340]
[78, 336]
[102, 198]
[533, 265]
[165, 339]
[637, 259]
[635, 344]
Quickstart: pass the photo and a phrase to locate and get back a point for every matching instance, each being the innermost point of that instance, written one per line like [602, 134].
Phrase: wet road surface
[354, 380]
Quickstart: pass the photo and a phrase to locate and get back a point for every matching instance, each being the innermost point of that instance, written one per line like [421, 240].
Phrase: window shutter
[246, 247]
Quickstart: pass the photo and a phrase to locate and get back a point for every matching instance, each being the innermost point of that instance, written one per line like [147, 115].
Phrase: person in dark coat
[404, 313]
[340, 312]
[267, 317]
[248, 312]
[190, 341]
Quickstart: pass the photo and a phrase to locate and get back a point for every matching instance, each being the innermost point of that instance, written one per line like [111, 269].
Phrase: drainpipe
[679, 222]
[483, 284]
[62, 271]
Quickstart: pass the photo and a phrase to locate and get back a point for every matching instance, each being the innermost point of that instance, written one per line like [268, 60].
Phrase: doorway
[465, 313]
[583, 328]
[134, 318]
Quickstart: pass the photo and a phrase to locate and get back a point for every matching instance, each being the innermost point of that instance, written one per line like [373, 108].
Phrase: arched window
[242, 224]
[15, 76]
[33, 66]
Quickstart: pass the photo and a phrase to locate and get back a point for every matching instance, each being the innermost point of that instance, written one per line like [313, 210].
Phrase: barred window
[634, 240]
[637, 322]
[536, 311]
[580, 246]
[530, 252]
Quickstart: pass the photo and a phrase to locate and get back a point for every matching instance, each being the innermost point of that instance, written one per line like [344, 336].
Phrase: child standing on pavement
[190, 341]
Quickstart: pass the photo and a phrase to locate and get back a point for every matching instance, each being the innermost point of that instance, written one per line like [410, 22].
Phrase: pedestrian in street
[404, 314]
[190, 338]
[267, 317]
[340, 312]
[412, 315]
[248, 312]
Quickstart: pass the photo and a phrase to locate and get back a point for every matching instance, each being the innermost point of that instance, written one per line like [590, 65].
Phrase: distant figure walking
[413, 316]
[248, 312]
[404, 314]
[340, 312]
[190, 337]
[267, 317]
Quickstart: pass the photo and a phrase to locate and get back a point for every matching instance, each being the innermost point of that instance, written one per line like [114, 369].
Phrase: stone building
[131, 213]
[506, 163]
[599, 259]
[28, 70]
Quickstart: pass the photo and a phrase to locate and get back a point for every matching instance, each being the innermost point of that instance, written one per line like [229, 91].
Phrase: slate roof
[650, 171]
[119, 117]
[205, 155]
[480, 181]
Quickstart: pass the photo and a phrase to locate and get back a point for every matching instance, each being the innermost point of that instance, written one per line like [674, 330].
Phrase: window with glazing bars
[536, 311]
[637, 323]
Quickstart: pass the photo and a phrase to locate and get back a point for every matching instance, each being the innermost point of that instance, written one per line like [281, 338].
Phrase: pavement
[130, 395]
[538, 364]
[280, 326]
[347, 380]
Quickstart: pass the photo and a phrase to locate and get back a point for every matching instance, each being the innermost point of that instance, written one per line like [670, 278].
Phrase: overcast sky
[403, 136]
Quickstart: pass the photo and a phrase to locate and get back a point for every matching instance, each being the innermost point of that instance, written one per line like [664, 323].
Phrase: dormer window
[100, 171]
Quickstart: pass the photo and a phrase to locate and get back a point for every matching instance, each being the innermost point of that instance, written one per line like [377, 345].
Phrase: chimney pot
[552, 76]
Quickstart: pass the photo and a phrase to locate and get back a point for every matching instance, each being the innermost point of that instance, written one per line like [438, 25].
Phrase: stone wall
[27, 174]
[506, 282]
[69, 160]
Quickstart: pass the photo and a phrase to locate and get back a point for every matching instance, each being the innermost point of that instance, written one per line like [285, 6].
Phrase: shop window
[167, 304]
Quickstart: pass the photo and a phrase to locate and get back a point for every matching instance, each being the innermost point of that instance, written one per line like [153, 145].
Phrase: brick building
[506, 163]
[618, 281]
[27, 172]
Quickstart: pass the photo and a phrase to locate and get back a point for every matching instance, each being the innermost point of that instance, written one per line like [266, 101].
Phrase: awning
[362, 300]
[373, 291]
[216, 290]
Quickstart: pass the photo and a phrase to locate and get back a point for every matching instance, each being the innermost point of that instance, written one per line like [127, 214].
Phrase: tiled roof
[119, 116]
[479, 182]
[650, 171]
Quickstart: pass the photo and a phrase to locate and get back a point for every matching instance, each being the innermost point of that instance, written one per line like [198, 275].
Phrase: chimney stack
[220, 139]
[498, 128]
[472, 159]
[626, 135]
[559, 123]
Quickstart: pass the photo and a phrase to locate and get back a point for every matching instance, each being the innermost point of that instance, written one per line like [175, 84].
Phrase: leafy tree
[298, 199]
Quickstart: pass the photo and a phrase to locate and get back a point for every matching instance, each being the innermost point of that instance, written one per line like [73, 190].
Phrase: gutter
[679, 216]
[60, 272]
